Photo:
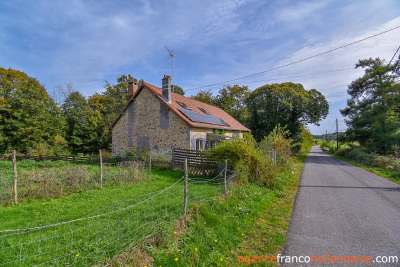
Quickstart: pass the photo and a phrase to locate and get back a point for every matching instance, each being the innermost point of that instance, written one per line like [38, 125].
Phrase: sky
[89, 42]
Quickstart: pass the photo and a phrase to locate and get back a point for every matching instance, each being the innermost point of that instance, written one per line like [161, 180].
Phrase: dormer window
[183, 105]
[204, 111]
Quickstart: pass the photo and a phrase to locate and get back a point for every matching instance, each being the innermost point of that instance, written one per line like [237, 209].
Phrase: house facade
[159, 119]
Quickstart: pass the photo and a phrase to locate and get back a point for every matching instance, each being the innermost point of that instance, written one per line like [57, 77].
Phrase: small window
[204, 111]
[199, 144]
[213, 143]
[184, 105]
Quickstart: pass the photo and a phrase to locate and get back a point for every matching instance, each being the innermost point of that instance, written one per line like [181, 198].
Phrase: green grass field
[251, 221]
[141, 224]
[114, 218]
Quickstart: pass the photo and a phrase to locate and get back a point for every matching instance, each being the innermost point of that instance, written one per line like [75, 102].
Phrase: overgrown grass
[384, 166]
[58, 179]
[251, 221]
[388, 174]
[30, 163]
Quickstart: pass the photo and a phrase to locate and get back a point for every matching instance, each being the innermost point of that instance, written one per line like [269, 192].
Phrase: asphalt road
[342, 210]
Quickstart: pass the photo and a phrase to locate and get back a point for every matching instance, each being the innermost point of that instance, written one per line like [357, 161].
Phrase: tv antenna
[172, 55]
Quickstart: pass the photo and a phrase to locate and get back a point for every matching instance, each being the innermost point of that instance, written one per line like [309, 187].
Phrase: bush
[370, 159]
[253, 160]
[278, 140]
[327, 144]
[243, 155]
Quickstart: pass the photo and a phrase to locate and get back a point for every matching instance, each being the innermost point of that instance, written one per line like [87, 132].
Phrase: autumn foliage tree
[28, 115]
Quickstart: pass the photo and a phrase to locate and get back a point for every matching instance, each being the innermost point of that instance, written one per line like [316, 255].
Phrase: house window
[204, 111]
[184, 105]
[199, 144]
[213, 143]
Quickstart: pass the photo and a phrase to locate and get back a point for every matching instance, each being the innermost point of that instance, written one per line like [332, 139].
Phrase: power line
[394, 56]
[299, 76]
[332, 126]
[298, 61]
[290, 77]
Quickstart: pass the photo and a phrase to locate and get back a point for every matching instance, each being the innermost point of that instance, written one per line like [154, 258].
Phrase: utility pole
[337, 134]
[326, 135]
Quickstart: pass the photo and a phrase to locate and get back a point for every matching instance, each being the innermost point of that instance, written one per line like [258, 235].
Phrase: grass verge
[251, 221]
[390, 175]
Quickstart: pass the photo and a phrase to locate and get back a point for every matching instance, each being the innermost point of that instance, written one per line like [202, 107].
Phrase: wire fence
[34, 183]
[101, 236]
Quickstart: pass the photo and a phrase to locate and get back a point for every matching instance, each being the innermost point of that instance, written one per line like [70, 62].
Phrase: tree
[232, 100]
[117, 94]
[288, 105]
[373, 97]
[28, 115]
[84, 125]
[178, 90]
[109, 104]
[204, 96]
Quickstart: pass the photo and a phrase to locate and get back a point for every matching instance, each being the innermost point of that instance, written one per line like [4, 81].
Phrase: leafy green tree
[232, 100]
[117, 94]
[84, 125]
[28, 115]
[229, 98]
[286, 104]
[178, 90]
[109, 104]
[373, 97]
[204, 96]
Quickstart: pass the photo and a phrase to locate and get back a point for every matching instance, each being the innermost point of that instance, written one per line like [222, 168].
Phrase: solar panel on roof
[197, 117]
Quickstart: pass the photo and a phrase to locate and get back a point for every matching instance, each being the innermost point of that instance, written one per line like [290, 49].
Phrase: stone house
[159, 119]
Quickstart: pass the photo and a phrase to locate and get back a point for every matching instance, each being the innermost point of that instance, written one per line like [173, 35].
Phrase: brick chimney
[166, 88]
[132, 88]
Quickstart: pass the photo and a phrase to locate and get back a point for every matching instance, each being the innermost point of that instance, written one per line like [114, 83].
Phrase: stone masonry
[148, 122]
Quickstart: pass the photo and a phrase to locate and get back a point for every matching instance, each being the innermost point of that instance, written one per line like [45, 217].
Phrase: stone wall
[148, 122]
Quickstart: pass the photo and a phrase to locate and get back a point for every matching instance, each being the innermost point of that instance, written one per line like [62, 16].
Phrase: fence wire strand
[104, 234]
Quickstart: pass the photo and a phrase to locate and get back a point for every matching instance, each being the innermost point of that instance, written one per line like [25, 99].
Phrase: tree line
[31, 121]
[288, 105]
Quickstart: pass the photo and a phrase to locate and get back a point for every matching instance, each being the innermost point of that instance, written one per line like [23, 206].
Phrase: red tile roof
[194, 105]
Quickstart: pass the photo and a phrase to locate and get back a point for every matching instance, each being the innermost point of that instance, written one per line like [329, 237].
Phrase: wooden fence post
[185, 190]
[203, 168]
[149, 164]
[172, 158]
[101, 168]
[226, 167]
[14, 160]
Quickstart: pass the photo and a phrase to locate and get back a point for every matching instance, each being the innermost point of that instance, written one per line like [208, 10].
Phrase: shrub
[327, 144]
[279, 141]
[371, 159]
[243, 155]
